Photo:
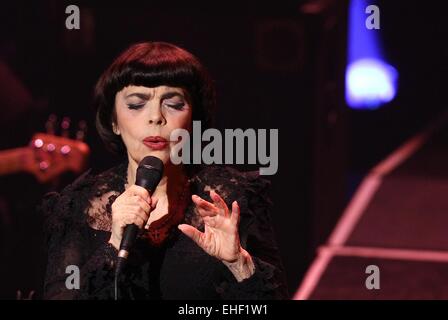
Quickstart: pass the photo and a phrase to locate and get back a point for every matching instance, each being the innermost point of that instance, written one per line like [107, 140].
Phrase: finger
[203, 204]
[144, 205]
[139, 212]
[154, 202]
[139, 221]
[235, 216]
[133, 219]
[138, 201]
[140, 191]
[210, 221]
[219, 203]
[136, 209]
[206, 213]
[191, 232]
[128, 219]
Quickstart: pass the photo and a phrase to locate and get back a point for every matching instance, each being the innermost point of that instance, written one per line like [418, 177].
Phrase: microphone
[149, 173]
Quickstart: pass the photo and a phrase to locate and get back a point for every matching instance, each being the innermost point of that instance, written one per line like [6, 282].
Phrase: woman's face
[147, 116]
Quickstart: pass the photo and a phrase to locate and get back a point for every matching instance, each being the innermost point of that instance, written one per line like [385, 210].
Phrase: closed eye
[177, 106]
[135, 106]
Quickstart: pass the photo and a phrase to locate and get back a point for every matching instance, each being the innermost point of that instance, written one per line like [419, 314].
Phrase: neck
[172, 182]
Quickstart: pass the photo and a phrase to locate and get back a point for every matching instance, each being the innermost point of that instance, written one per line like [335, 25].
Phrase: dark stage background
[276, 65]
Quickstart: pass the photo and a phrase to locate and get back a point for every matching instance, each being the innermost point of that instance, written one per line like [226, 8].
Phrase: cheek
[183, 120]
[123, 117]
[126, 119]
[185, 123]
[128, 126]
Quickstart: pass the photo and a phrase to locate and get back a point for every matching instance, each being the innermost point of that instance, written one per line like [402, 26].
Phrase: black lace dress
[78, 224]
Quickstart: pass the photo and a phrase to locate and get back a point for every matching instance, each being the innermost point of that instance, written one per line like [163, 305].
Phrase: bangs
[154, 67]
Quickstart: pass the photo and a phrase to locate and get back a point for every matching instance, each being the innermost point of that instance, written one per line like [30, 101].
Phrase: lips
[156, 142]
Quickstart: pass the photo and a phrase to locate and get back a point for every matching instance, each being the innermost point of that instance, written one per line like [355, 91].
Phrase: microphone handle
[129, 236]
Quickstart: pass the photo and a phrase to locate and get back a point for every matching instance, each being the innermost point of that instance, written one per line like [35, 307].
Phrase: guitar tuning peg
[65, 126]
[51, 124]
[82, 130]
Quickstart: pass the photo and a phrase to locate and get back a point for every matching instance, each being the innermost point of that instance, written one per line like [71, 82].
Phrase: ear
[115, 129]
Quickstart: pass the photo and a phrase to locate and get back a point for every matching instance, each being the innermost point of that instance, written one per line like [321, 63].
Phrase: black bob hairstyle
[152, 64]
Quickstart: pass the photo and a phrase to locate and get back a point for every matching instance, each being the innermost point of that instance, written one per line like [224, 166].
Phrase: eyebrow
[166, 95]
[171, 94]
[139, 95]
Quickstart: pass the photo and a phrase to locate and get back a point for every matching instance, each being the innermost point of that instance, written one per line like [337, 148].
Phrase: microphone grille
[151, 163]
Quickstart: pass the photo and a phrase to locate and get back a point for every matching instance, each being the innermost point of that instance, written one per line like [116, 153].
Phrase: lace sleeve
[257, 237]
[68, 244]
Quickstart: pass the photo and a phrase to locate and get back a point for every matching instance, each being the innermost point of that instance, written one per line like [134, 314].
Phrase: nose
[157, 121]
[156, 117]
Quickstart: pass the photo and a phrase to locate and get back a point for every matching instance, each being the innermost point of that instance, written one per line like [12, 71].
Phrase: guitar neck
[14, 160]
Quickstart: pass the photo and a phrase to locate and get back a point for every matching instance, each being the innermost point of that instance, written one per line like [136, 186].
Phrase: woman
[206, 232]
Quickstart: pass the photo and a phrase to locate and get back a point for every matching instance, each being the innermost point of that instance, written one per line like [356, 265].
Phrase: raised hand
[220, 238]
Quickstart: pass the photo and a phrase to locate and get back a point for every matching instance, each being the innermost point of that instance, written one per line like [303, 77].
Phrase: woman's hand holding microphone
[132, 207]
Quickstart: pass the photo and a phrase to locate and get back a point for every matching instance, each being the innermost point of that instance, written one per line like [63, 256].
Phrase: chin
[162, 155]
